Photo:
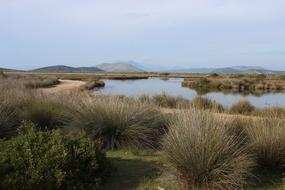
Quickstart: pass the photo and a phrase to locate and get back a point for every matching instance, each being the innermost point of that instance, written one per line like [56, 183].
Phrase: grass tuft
[204, 154]
[118, 122]
[242, 107]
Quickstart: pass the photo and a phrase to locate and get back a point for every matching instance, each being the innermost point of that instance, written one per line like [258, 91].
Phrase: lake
[173, 87]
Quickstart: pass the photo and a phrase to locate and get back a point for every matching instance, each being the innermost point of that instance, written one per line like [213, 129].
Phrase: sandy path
[65, 85]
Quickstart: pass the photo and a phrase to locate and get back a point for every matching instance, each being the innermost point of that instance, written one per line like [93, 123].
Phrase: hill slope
[119, 67]
[63, 68]
[242, 69]
[9, 70]
[228, 70]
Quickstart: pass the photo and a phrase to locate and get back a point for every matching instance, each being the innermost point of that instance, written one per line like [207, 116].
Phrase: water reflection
[173, 87]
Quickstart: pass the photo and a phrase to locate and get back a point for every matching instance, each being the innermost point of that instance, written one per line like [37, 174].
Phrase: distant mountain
[119, 67]
[242, 69]
[9, 70]
[63, 68]
[228, 70]
[194, 70]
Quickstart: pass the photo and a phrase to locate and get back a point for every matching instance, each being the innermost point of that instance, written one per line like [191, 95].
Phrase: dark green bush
[50, 160]
[214, 75]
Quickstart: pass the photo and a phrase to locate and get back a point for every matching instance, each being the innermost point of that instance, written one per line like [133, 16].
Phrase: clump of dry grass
[28, 104]
[89, 85]
[8, 120]
[272, 111]
[267, 138]
[43, 110]
[2, 75]
[206, 104]
[204, 154]
[118, 122]
[41, 82]
[242, 107]
[166, 101]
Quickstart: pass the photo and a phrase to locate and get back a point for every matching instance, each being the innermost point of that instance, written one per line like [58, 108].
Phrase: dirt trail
[65, 85]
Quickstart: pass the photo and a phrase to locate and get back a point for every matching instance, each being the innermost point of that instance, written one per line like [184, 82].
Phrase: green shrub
[118, 122]
[206, 104]
[242, 107]
[204, 154]
[50, 160]
[214, 75]
[267, 138]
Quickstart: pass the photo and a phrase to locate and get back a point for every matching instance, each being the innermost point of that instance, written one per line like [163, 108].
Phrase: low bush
[242, 107]
[214, 75]
[206, 104]
[118, 122]
[204, 154]
[50, 160]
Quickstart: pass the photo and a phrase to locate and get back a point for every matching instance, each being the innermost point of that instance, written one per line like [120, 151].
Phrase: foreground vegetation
[76, 140]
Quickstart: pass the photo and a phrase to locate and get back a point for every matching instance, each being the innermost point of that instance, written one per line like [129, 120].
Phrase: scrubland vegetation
[76, 140]
[258, 83]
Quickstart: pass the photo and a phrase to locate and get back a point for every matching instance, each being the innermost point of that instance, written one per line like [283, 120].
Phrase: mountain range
[131, 66]
[228, 70]
[63, 68]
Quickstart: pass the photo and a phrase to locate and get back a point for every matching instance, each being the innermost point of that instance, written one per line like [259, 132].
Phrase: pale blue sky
[184, 33]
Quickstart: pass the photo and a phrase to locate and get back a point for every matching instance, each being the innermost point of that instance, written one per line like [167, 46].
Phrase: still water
[173, 87]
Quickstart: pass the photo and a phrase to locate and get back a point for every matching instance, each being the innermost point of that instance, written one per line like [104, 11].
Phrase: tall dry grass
[267, 138]
[199, 146]
[205, 103]
[165, 100]
[242, 107]
[117, 122]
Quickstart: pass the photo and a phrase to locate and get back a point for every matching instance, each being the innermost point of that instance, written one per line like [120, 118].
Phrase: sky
[166, 33]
